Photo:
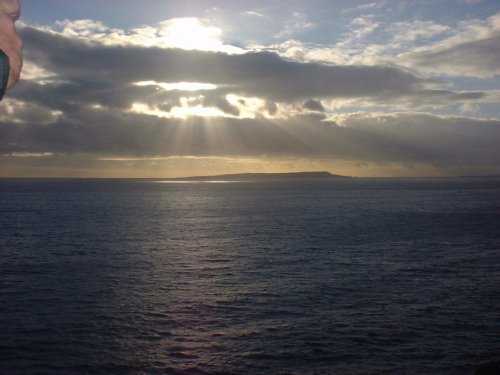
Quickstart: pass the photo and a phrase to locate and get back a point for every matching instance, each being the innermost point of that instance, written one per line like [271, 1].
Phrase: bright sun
[190, 33]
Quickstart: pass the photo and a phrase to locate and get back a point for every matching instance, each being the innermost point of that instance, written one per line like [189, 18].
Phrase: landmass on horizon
[261, 176]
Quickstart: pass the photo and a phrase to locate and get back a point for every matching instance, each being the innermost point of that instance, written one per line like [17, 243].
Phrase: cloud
[252, 13]
[297, 23]
[375, 5]
[426, 138]
[467, 48]
[18, 112]
[472, 52]
[478, 58]
[314, 105]
[189, 33]
[411, 31]
[124, 100]
[362, 26]
[398, 137]
[367, 6]
[104, 73]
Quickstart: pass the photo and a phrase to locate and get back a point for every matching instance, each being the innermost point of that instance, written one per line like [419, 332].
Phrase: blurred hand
[10, 42]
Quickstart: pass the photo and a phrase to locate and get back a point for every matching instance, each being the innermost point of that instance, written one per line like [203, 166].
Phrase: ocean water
[348, 276]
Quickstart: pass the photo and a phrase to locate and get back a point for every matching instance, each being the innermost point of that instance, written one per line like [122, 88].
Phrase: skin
[10, 42]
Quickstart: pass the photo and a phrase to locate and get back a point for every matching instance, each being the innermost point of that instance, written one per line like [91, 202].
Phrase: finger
[11, 45]
[12, 8]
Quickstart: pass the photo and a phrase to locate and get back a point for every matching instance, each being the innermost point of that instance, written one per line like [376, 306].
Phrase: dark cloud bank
[90, 74]
[261, 74]
[404, 138]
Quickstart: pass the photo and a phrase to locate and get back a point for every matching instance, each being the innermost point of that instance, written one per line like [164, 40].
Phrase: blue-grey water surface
[348, 276]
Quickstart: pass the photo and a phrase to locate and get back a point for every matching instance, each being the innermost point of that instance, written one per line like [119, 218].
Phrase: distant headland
[262, 176]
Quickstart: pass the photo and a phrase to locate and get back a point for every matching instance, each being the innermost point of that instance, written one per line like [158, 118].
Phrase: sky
[151, 88]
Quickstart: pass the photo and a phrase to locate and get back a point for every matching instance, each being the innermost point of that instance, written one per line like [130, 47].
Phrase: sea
[324, 276]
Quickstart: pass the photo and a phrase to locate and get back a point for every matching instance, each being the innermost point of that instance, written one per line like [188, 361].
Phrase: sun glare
[179, 86]
[185, 110]
[190, 33]
[191, 103]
